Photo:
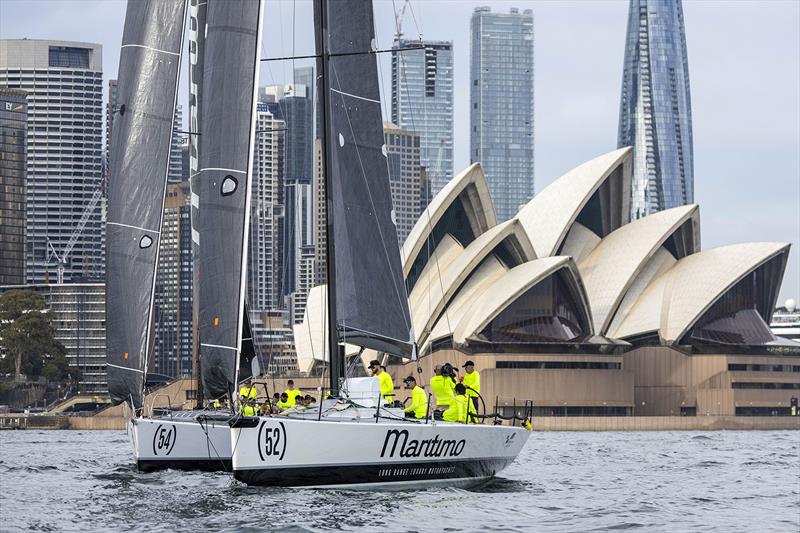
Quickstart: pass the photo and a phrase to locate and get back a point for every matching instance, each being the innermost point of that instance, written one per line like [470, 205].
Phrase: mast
[335, 353]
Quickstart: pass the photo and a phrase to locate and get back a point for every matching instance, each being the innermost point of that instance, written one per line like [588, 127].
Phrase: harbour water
[570, 481]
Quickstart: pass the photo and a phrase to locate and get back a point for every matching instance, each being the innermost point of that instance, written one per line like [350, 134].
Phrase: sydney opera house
[574, 306]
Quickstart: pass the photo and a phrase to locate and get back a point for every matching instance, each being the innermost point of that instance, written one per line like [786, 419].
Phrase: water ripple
[640, 481]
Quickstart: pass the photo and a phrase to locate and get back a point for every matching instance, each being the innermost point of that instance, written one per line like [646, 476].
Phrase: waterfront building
[501, 105]
[275, 349]
[655, 113]
[422, 101]
[576, 307]
[403, 149]
[305, 280]
[80, 326]
[172, 305]
[64, 82]
[111, 106]
[13, 133]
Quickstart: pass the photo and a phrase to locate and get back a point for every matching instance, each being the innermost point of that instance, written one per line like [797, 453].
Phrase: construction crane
[398, 20]
[63, 258]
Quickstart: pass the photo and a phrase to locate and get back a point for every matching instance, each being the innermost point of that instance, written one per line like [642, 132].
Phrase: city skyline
[578, 82]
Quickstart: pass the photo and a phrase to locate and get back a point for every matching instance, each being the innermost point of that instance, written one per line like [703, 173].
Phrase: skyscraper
[264, 256]
[13, 131]
[403, 153]
[655, 112]
[422, 101]
[501, 105]
[64, 81]
[295, 106]
[173, 295]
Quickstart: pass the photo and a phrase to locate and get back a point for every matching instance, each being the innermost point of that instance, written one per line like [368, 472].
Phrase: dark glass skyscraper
[501, 105]
[655, 115]
[13, 131]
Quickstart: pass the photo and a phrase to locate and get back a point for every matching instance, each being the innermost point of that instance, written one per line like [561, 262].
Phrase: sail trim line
[151, 48]
[219, 168]
[355, 96]
[134, 227]
[219, 346]
[125, 368]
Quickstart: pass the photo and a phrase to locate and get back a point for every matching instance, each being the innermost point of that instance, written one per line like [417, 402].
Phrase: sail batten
[223, 181]
[371, 303]
[147, 95]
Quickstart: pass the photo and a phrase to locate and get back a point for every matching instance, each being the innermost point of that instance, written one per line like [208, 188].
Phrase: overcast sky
[744, 67]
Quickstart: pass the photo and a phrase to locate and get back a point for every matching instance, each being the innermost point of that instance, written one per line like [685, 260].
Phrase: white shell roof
[549, 215]
[507, 289]
[610, 269]
[428, 300]
[680, 296]
[473, 179]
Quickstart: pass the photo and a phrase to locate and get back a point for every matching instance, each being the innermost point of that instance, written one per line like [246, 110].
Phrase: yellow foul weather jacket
[419, 402]
[457, 412]
[387, 386]
[292, 394]
[473, 381]
[444, 390]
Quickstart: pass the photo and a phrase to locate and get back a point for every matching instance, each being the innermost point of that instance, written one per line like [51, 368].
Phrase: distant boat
[353, 440]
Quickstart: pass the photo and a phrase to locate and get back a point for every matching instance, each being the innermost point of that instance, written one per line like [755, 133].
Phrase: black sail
[148, 82]
[227, 131]
[371, 301]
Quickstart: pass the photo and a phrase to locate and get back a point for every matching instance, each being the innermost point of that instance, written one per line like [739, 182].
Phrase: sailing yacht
[228, 33]
[353, 440]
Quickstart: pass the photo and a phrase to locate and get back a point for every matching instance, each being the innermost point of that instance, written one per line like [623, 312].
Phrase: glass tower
[13, 133]
[655, 115]
[501, 105]
[422, 101]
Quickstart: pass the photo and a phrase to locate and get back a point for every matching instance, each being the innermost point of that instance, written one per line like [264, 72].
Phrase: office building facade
[13, 133]
[655, 115]
[422, 101]
[403, 150]
[172, 309]
[502, 105]
[265, 266]
[64, 81]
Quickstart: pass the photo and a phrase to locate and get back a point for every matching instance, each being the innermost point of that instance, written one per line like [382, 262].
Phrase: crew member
[419, 400]
[292, 393]
[461, 409]
[385, 380]
[472, 381]
[283, 403]
[443, 387]
[247, 401]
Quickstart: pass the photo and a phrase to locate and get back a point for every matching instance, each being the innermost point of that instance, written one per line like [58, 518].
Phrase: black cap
[468, 363]
[374, 362]
[410, 378]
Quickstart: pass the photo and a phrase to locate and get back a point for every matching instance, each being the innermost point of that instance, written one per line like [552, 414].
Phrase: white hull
[360, 453]
[186, 441]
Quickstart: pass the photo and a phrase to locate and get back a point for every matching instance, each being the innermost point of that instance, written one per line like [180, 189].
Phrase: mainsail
[148, 84]
[227, 136]
[371, 302]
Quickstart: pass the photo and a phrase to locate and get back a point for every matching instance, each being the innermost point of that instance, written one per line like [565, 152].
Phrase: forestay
[227, 133]
[371, 301]
[148, 81]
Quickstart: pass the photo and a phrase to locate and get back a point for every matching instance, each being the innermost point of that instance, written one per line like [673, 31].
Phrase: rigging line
[437, 170]
[341, 54]
[371, 201]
